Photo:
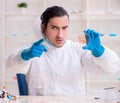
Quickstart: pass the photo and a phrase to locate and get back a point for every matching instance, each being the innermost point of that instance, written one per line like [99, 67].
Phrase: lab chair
[22, 84]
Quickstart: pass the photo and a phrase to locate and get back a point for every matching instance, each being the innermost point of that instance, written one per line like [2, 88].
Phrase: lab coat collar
[50, 47]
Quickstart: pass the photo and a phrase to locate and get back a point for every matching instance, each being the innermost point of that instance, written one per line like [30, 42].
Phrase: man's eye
[54, 27]
[65, 27]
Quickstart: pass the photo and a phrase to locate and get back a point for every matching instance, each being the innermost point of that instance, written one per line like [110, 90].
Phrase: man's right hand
[35, 51]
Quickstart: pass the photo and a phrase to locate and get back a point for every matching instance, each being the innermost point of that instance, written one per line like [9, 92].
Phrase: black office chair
[22, 84]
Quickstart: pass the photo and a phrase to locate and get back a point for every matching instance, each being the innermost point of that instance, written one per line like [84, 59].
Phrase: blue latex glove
[93, 43]
[35, 51]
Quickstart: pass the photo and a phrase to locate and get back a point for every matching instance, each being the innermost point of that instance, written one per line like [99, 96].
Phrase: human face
[57, 30]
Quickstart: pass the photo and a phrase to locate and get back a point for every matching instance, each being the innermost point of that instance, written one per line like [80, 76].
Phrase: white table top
[57, 99]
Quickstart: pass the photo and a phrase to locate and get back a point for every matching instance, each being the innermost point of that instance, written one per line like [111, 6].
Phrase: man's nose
[60, 32]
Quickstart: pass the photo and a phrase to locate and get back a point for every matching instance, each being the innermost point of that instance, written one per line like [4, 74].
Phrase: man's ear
[43, 30]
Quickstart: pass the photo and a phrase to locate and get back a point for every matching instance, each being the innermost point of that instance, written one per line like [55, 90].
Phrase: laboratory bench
[61, 99]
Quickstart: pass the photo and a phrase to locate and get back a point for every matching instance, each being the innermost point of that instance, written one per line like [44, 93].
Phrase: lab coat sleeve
[108, 63]
[15, 59]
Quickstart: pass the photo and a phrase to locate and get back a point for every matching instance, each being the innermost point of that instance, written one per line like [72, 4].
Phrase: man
[57, 66]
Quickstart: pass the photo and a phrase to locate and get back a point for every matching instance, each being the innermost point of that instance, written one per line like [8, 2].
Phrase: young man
[56, 66]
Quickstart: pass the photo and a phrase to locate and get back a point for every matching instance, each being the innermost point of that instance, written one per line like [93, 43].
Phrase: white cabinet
[101, 15]
[104, 16]
[17, 31]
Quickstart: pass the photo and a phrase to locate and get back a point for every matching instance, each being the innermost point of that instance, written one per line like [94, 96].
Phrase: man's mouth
[59, 41]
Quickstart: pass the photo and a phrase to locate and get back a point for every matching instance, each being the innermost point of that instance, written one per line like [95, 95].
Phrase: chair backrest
[22, 84]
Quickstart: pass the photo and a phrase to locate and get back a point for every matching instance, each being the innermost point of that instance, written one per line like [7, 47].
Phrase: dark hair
[50, 12]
